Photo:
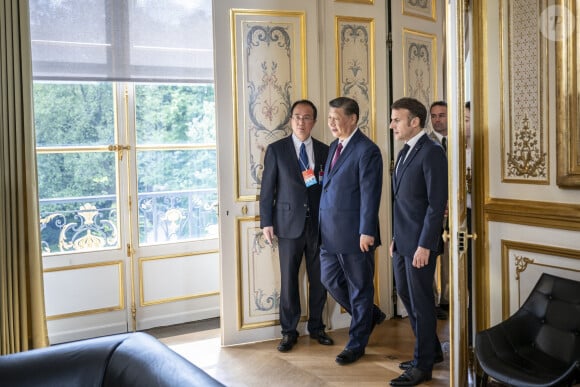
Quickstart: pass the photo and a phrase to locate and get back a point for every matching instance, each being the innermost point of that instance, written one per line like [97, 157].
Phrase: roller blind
[122, 40]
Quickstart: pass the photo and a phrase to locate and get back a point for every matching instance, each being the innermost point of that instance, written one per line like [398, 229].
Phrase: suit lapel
[412, 153]
[345, 152]
[290, 154]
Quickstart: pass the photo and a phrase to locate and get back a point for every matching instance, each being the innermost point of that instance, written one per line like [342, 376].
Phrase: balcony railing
[84, 223]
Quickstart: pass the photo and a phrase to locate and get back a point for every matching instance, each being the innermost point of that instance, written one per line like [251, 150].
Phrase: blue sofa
[131, 359]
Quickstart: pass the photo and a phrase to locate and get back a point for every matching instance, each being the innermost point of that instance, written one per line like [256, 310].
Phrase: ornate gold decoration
[527, 158]
[88, 233]
[525, 141]
[521, 264]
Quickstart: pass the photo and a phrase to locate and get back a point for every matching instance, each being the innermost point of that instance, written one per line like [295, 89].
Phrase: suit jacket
[351, 195]
[420, 198]
[284, 198]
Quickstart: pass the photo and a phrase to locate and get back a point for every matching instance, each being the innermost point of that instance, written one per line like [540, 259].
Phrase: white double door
[270, 54]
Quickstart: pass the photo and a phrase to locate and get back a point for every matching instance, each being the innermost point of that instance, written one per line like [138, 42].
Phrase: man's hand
[391, 247]
[421, 257]
[268, 234]
[366, 242]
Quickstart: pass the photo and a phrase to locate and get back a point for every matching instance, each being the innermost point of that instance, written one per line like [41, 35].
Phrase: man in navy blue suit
[419, 201]
[349, 223]
[289, 200]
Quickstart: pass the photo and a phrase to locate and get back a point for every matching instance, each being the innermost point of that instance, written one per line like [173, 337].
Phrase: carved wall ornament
[521, 263]
[420, 65]
[355, 64]
[526, 157]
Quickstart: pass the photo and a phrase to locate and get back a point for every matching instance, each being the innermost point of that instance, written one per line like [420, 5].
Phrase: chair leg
[484, 378]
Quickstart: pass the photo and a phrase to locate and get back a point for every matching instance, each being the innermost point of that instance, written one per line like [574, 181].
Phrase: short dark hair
[468, 105]
[349, 105]
[305, 102]
[415, 108]
[437, 103]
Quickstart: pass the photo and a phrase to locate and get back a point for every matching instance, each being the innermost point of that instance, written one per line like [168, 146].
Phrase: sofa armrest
[79, 363]
[142, 360]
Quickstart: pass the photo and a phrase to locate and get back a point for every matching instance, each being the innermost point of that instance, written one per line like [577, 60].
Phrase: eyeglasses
[298, 118]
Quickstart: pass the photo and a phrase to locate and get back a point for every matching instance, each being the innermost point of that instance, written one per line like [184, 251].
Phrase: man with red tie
[349, 224]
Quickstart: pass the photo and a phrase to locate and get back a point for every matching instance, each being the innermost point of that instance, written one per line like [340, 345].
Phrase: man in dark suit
[419, 201]
[438, 112]
[349, 224]
[289, 201]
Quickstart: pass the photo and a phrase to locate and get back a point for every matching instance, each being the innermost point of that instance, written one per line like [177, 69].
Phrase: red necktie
[336, 155]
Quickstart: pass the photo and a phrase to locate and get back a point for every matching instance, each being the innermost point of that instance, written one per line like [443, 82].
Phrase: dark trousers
[349, 280]
[291, 253]
[414, 287]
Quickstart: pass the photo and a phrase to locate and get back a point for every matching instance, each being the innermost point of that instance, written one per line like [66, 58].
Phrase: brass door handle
[446, 236]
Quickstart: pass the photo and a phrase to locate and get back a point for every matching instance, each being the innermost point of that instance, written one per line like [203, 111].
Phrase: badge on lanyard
[309, 178]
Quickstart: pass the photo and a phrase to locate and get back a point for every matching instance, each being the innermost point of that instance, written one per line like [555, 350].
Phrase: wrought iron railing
[92, 222]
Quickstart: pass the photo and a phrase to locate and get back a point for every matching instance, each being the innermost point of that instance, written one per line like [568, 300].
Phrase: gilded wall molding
[420, 65]
[142, 262]
[533, 260]
[568, 103]
[258, 277]
[525, 138]
[269, 74]
[424, 9]
[533, 213]
[118, 265]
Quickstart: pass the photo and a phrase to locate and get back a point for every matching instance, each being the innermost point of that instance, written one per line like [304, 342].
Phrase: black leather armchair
[132, 359]
[540, 344]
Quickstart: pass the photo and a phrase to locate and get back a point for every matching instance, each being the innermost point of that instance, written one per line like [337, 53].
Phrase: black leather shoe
[405, 365]
[287, 343]
[322, 337]
[378, 317]
[348, 356]
[412, 377]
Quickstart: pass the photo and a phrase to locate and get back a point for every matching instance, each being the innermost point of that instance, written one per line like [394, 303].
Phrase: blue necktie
[303, 158]
[401, 159]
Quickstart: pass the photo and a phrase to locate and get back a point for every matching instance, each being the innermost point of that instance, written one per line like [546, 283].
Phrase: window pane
[177, 195]
[78, 202]
[175, 114]
[73, 114]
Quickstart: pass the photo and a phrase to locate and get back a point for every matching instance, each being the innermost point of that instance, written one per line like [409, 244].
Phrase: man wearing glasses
[289, 201]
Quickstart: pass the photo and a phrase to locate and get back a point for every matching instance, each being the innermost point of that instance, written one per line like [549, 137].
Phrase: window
[124, 95]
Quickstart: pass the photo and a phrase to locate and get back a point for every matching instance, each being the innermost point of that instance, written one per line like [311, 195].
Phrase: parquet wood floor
[308, 363]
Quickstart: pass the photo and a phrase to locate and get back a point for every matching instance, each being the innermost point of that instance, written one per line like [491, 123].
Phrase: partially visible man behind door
[289, 202]
[438, 113]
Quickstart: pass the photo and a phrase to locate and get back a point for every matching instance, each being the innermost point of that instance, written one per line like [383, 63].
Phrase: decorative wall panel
[160, 278]
[420, 8]
[355, 67]
[524, 263]
[269, 67]
[525, 140]
[82, 287]
[258, 273]
[420, 65]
